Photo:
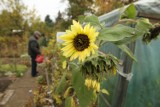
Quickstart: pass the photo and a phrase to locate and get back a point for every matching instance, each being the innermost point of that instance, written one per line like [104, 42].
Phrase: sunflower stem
[102, 53]
[125, 20]
[105, 100]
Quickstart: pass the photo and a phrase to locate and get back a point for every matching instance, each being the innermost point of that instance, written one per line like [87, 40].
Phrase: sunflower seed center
[81, 42]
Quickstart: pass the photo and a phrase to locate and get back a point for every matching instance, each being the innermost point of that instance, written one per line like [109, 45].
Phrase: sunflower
[92, 84]
[79, 41]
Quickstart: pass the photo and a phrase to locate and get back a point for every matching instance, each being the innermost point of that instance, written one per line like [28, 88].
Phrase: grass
[18, 70]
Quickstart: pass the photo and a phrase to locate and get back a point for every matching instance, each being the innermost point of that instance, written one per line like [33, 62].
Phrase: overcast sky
[44, 7]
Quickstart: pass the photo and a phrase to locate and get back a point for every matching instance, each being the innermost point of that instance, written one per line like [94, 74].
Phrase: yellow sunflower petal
[87, 29]
[76, 27]
[74, 56]
[94, 83]
[81, 58]
[87, 82]
[94, 46]
[67, 37]
[69, 52]
[98, 87]
[87, 52]
[66, 48]
[83, 55]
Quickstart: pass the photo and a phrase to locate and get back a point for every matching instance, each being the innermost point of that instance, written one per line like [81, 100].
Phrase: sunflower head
[79, 42]
[92, 84]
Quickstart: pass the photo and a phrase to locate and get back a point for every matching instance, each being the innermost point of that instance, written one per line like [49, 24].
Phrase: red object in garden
[39, 58]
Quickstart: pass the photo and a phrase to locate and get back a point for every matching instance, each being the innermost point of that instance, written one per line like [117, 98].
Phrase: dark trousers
[34, 66]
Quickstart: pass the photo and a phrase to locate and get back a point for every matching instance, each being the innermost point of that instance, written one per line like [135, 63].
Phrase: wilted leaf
[143, 26]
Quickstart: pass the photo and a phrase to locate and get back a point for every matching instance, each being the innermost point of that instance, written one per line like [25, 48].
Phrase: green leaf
[77, 79]
[127, 51]
[68, 102]
[61, 86]
[93, 20]
[127, 40]
[105, 91]
[81, 18]
[130, 12]
[84, 95]
[116, 33]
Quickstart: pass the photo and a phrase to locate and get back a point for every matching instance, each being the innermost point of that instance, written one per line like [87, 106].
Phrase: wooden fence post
[122, 83]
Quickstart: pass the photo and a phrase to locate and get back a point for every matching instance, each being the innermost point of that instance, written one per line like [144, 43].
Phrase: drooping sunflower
[92, 84]
[79, 41]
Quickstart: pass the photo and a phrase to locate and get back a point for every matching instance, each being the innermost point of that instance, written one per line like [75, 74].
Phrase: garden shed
[144, 87]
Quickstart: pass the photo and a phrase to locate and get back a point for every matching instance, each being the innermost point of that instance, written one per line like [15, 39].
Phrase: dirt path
[21, 89]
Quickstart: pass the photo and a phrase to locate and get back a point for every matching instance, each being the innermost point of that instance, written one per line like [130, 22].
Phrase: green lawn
[17, 70]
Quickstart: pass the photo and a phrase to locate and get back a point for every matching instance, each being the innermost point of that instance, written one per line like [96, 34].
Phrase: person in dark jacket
[33, 51]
